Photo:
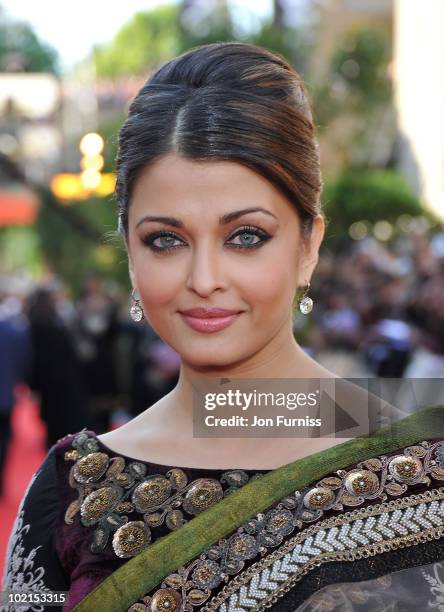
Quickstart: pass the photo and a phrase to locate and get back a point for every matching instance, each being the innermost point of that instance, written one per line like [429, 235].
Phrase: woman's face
[216, 235]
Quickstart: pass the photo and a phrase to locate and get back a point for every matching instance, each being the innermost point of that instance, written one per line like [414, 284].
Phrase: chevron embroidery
[354, 535]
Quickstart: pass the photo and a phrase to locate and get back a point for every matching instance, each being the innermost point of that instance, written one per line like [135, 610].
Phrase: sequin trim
[355, 535]
[110, 490]
[376, 478]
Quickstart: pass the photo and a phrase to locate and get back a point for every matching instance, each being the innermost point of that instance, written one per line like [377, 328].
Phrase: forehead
[174, 181]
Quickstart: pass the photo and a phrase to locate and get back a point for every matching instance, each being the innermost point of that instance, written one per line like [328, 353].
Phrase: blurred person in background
[96, 337]
[425, 310]
[15, 364]
[340, 322]
[154, 371]
[393, 294]
[56, 373]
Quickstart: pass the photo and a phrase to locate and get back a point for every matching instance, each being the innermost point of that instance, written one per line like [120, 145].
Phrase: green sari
[363, 504]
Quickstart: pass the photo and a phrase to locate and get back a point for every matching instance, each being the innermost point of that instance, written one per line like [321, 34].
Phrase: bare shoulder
[121, 440]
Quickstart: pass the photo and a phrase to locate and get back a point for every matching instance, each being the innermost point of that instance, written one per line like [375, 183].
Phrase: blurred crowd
[87, 363]
[378, 312]
[380, 306]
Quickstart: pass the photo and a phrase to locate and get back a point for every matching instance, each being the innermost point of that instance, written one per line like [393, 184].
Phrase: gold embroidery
[91, 467]
[152, 492]
[203, 493]
[319, 497]
[438, 473]
[351, 554]
[98, 503]
[206, 575]
[174, 519]
[166, 600]
[406, 469]
[131, 538]
[352, 487]
[72, 455]
[243, 546]
[111, 488]
[362, 482]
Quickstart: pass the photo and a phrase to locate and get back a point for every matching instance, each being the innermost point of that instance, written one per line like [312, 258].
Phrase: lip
[209, 320]
[208, 313]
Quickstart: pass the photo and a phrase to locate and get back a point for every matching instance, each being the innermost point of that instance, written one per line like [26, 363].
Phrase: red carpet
[26, 452]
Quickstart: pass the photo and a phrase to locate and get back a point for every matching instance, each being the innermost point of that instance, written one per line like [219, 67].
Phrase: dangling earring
[306, 303]
[136, 311]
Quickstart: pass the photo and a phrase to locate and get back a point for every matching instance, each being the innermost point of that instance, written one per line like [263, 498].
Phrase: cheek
[269, 283]
[158, 282]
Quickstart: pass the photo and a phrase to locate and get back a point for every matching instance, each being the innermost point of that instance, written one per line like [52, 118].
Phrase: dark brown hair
[225, 101]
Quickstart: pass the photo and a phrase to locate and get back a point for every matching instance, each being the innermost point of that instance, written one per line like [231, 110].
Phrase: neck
[283, 357]
[172, 416]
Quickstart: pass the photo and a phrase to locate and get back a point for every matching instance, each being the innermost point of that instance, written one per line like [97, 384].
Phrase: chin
[206, 359]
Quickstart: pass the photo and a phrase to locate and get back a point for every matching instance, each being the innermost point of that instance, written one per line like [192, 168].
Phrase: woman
[219, 205]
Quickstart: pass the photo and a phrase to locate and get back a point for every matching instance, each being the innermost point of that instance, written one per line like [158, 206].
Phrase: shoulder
[37, 512]
[41, 489]
[40, 501]
[31, 549]
[68, 451]
[74, 440]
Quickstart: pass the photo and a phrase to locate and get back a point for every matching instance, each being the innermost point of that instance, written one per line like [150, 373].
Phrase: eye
[249, 238]
[163, 241]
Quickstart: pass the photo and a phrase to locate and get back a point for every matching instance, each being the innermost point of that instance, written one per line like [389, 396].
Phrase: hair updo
[225, 101]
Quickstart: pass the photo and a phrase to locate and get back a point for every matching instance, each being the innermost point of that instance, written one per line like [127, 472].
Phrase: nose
[206, 273]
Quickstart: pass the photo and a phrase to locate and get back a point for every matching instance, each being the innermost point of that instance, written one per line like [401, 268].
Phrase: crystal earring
[136, 311]
[306, 303]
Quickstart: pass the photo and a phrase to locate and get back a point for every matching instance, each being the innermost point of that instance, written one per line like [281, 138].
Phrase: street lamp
[90, 181]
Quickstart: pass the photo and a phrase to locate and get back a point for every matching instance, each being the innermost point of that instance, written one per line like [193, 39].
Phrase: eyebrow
[223, 220]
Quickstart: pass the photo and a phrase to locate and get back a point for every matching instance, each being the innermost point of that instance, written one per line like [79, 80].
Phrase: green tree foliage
[157, 35]
[22, 50]
[361, 62]
[80, 239]
[290, 42]
[147, 39]
[19, 248]
[201, 23]
[358, 79]
[352, 102]
[370, 195]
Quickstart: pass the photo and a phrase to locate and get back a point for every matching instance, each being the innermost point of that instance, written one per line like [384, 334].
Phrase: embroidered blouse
[88, 509]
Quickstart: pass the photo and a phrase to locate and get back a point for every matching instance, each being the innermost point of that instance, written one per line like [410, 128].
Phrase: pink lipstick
[209, 320]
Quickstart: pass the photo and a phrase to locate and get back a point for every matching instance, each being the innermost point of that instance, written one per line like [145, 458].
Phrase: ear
[310, 250]
[131, 272]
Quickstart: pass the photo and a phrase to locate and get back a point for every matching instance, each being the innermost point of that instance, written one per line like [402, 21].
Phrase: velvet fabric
[143, 572]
